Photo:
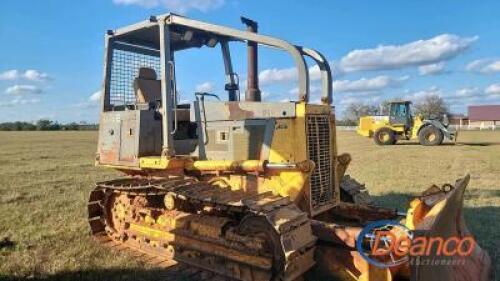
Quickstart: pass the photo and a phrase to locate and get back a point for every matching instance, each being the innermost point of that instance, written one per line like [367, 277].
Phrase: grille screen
[318, 144]
[124, 69]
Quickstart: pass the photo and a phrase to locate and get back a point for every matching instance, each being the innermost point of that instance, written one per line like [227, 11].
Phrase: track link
[223, 233]
[354, 192]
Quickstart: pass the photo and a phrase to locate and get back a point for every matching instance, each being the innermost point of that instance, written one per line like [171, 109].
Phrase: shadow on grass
[455, 144]
[478, 143]
[116, 274]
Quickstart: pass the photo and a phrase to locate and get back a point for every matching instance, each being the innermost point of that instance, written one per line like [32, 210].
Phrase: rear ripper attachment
[236, 235]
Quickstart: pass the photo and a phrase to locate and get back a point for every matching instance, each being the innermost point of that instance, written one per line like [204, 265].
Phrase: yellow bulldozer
[230, 189]
[401, 125]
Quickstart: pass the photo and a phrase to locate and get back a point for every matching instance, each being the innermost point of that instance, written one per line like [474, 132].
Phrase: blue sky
[51, 51]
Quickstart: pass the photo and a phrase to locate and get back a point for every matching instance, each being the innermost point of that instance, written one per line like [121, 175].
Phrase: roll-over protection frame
[155, 34]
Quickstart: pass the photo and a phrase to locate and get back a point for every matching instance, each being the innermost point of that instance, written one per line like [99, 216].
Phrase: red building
[484, 115]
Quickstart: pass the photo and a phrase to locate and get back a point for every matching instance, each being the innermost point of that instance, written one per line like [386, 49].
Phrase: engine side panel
[125, 136]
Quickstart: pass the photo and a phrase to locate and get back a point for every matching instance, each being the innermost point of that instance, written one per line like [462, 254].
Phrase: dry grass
[45, 178]
[394, 173]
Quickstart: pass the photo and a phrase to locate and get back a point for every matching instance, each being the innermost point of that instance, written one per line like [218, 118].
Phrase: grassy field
[45, 178]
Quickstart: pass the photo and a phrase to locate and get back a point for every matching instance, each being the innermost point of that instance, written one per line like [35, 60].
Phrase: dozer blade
[439, 214]
[436, 216]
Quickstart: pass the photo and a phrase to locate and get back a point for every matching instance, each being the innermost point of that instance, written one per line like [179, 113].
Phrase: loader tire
[384, 136]
[430, 136]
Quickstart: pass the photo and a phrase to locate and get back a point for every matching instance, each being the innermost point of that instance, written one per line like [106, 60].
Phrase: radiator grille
[318, 149]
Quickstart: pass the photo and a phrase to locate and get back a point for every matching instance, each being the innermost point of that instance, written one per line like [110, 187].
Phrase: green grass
[45, 178]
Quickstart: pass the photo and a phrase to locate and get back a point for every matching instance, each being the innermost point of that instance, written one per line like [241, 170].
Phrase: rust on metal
[252, 92]
[273, 234]
[236, 112]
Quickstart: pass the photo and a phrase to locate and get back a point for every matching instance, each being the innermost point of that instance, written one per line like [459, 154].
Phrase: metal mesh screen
[318, 149]
[124, 69]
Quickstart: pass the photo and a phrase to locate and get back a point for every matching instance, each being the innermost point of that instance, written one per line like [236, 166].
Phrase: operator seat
[148, 93]
[147, 88]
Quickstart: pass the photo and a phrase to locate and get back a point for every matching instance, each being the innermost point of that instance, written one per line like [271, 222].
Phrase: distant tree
[432, 106]
[73, 126]
[354, 111]
[17, 126]
[345, 122]
[43, 124]
[55, 126]
[6, 126]
[25, 126]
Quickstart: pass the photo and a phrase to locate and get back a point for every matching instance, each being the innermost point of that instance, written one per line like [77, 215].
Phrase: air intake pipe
[252, 93]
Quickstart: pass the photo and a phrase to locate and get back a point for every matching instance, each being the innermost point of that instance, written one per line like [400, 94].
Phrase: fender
[428, 122]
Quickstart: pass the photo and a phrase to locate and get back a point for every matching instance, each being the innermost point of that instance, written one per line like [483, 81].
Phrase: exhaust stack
[252, 93]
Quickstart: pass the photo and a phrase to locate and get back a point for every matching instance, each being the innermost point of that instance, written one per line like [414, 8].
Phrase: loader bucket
[436, 216]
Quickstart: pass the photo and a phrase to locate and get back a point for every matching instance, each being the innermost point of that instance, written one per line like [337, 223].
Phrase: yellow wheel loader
[230, 189]
[401, 125]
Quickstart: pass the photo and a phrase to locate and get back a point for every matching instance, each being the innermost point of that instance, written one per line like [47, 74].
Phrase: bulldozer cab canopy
[159, 37]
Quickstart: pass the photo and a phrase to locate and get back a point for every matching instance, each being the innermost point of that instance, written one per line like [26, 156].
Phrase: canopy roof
[187, 33]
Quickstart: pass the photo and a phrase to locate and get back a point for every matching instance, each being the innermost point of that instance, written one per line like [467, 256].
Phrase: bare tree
[432, 106]
[354, 111]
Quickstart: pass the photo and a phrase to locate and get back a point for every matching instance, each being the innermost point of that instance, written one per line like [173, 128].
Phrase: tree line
[429, 107]
[46, 125]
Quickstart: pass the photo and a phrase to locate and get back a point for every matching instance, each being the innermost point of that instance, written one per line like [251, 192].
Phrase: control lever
[200, 97]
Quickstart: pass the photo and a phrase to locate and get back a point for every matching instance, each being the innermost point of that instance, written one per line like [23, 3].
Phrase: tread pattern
[290, 227]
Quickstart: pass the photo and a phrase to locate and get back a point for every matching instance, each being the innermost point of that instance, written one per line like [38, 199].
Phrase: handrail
[174, 90]
[326, 74]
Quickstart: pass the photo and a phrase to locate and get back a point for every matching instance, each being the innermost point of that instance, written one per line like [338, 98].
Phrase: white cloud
[91, 101]
[427, 54]
[368, 84]
[419, 95]
[265, 94]
[484, 66]
[461, 97]
[95, 97]
[314, 73]
[314, 92]
[349, 100]
[23, 90]
[492, 67]
[18, 101]
[180, 6]
[467, 92]
[276, 75]
[35, 75]
[30, 75]
[206, 87]
[475, 64]
[493, 90]
[12, 74]
[431, 69]
[286, 75]
[421, 52]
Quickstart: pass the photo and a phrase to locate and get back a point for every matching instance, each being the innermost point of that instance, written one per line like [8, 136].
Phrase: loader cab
[400, 114]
